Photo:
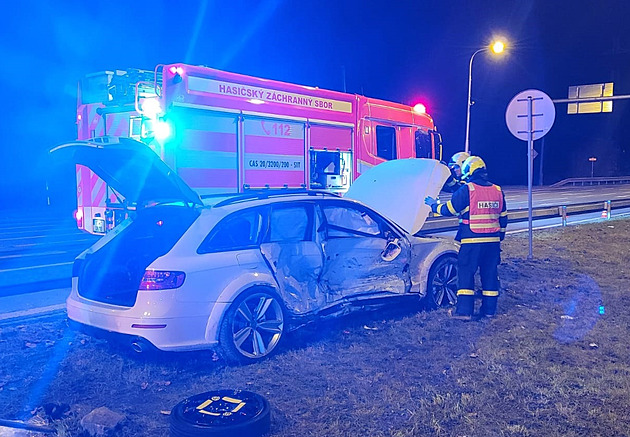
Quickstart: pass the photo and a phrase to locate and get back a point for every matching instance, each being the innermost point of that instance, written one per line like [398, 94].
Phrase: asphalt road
[37, 251]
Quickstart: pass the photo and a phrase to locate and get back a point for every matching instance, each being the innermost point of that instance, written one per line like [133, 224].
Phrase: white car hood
[397, 189]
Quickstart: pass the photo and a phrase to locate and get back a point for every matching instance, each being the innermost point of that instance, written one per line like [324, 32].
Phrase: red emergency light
[177, 73]
[78, 216]
[420, 108]
[176, 70]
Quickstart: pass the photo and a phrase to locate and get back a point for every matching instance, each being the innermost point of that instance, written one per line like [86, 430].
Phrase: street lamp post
[496, 47]
[592, 159]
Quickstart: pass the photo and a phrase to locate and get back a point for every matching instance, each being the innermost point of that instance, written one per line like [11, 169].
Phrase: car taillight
[161, 280]
[78, 216]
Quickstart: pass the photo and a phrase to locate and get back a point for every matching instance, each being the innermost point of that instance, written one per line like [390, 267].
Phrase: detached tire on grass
[221, 413]
[442, 283]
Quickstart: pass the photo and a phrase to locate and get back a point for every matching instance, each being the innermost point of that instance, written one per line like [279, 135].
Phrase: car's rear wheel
[442, 283]
[252, 327]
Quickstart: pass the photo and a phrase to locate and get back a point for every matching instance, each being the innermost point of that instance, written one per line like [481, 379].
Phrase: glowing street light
[497, 47]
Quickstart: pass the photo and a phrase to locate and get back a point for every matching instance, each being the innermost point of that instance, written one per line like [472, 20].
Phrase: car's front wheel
[442, 283]
[252, 327]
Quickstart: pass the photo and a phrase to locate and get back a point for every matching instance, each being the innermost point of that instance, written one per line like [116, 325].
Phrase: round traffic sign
[543, 114]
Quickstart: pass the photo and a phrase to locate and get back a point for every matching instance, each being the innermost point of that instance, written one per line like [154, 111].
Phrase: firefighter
[482, 213]
[453, 183]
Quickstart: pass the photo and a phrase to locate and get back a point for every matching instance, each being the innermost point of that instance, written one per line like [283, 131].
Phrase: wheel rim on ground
[258, 325]
[221, 413]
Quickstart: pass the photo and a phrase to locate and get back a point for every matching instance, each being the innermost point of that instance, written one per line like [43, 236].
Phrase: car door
[354, 239]
[295, 259]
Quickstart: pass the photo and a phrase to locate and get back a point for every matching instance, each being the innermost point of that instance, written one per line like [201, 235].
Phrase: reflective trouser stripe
[490, 293]
[465, 292]
[481, 240]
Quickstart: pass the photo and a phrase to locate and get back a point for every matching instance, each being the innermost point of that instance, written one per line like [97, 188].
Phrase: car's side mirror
[391, 251]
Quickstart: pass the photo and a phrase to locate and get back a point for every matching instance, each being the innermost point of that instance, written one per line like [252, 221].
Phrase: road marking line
[37, 267]
[33, 311]
[21, 255]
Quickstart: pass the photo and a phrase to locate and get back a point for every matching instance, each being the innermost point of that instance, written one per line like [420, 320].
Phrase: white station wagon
[237, 271]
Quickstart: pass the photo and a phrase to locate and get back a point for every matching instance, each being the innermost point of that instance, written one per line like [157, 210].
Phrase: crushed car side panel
[425, 251]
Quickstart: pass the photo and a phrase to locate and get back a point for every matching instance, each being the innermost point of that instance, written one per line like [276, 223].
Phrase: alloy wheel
[258, 325]
[444, 284]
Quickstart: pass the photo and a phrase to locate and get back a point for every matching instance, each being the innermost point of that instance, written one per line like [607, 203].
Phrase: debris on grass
[101, 422]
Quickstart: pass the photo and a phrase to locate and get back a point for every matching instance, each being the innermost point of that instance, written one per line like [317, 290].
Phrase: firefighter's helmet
[458, 159]
[471, 165]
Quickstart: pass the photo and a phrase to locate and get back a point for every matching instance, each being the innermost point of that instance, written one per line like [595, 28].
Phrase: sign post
[592, 159]
[529, 116]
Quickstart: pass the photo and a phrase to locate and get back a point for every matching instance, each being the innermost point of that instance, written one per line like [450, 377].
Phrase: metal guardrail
[442, 224]
[593, 181]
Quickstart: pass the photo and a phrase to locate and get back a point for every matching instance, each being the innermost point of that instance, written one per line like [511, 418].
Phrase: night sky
[404, 51]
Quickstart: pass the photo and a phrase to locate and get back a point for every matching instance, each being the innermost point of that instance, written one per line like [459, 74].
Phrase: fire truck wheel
[221, 413]
[442, 283]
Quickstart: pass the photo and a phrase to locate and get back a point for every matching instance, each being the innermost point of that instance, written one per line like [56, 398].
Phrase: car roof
[220, 200]
[252, 198]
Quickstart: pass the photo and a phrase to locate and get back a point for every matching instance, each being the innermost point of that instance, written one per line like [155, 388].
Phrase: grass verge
[554, 362]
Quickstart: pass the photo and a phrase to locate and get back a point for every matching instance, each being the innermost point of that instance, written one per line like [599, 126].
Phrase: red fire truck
[227, 132]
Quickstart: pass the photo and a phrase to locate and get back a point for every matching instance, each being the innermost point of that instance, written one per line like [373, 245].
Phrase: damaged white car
[239, 270]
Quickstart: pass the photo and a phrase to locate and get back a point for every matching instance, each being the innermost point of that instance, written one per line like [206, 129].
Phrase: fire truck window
[386, 142]
[324, 164]
[423, 145]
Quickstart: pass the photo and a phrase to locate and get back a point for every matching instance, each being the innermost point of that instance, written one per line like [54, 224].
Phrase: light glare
[151, 107]
[498, 47]
[162, 130]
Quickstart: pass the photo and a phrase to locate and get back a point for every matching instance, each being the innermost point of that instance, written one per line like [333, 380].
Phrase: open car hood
[397, 189]
[129, 167]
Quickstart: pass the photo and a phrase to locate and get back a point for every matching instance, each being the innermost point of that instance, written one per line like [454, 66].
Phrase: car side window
[344, 221]
[237, 231]
[290, 223]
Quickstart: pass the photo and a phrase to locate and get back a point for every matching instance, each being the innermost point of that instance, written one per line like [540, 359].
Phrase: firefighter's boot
[465, 306]
[488, 305]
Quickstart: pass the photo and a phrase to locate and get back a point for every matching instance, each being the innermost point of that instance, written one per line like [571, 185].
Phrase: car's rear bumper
[186, 332]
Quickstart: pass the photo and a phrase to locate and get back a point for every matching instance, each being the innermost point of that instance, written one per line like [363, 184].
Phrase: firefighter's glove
[431, 202]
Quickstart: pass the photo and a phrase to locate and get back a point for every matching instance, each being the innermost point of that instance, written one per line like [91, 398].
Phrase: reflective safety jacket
[482, 212]
[486, 204]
